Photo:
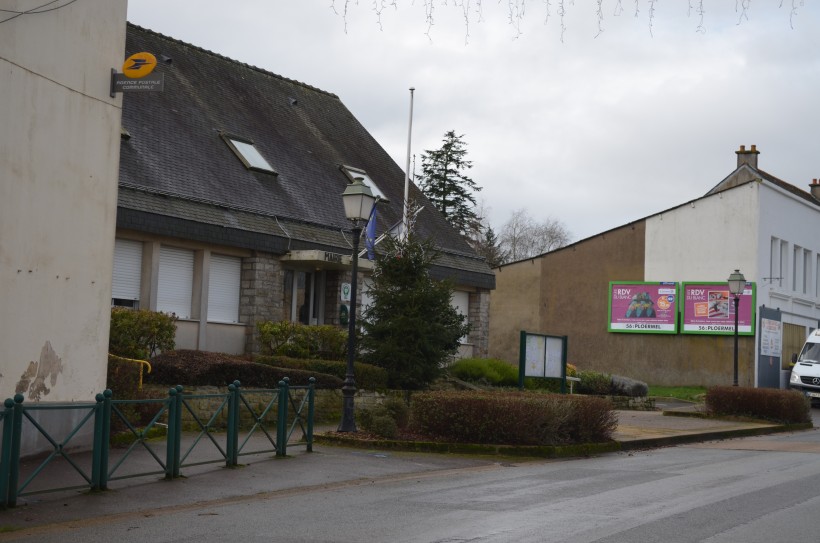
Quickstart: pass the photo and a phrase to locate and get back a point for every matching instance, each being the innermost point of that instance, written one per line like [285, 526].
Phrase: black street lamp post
[737, 283]
[359, 202]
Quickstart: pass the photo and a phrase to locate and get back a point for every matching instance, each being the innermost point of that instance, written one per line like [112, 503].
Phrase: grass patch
[689, 394]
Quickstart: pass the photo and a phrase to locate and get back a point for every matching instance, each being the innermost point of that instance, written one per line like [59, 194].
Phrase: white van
[806, 371]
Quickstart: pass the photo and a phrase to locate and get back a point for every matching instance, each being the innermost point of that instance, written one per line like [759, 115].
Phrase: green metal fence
[283, 410]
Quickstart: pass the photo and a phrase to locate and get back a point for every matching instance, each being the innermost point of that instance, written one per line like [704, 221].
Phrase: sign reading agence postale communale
[137, 75]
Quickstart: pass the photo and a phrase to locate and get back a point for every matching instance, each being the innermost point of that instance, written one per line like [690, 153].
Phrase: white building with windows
[755, 222]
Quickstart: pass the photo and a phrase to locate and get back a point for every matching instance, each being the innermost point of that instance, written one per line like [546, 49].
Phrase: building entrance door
[304, 296]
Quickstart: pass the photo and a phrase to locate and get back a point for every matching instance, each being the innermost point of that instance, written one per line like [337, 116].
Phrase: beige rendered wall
[514, 306]
[60, 142]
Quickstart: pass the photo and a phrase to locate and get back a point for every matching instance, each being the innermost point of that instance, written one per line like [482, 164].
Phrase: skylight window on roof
[248, 154]
[353, 173]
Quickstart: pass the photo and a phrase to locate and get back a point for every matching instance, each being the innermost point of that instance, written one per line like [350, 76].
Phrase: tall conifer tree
[410, 329]
[444, 182]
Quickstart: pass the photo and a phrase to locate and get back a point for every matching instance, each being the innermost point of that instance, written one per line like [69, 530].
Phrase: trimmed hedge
[325, 342]
[490, 371]
[386, 418]
[500, 373]
[786, 406]
[200, 368]
[368, 376]
[515, 418]
[594, 382]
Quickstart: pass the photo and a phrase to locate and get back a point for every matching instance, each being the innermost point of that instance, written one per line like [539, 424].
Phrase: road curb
[533, 451]
[682, 439]
[554, 451]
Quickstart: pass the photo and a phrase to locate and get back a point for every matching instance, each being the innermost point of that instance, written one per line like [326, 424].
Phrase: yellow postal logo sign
[139, 65]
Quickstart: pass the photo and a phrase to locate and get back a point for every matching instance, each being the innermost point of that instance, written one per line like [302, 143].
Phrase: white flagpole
[407, 171]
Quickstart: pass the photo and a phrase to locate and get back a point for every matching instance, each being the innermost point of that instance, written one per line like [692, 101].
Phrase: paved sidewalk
[326, 467]
[655, 428]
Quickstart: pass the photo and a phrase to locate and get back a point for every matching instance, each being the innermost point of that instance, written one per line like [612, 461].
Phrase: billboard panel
[644, 308]
[708, 308]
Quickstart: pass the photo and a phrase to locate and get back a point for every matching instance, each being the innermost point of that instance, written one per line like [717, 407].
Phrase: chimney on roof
[815, 188]
[747, 157]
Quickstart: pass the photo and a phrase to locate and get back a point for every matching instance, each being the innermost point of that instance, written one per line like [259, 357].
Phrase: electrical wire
[29, 10]
[35, 10]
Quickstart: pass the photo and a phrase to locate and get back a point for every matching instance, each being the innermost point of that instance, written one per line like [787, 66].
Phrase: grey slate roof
[731, 181]
[177, 172]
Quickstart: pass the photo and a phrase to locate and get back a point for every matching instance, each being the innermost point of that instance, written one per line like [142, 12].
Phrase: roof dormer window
[250, 156]
[352, 173]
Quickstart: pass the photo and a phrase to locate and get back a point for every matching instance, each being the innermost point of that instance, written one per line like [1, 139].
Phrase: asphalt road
[760, 489]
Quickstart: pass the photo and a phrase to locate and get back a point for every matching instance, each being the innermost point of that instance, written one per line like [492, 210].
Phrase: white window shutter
[125, 284]
[223, 288]
[175, 285]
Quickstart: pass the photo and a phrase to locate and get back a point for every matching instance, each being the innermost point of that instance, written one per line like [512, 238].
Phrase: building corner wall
[58, 192]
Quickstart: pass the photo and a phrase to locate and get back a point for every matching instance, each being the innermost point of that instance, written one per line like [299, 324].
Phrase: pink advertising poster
[709, 308]
[644, 308]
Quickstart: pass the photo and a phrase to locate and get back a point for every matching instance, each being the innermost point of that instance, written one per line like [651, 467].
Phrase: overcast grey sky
[595, 131]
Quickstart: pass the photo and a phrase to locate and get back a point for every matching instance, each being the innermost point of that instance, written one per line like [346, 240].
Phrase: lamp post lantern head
[737, 283]
[358, 200]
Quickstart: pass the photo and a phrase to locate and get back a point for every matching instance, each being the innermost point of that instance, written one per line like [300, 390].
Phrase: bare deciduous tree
[522, 237]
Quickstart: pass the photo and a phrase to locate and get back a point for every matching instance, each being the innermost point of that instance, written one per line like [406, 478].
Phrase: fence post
[282, 419]
[172, 431]
[5, 455]
[233, 425]
[105, 452]
[16, 433]
[96, 448]
[311, 408]
[178, 436]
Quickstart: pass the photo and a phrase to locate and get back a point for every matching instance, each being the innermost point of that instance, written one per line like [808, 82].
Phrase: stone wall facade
[261, 295]
[479, 319]
[204, 401]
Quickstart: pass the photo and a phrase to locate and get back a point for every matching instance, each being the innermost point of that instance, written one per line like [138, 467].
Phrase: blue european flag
[370, 236]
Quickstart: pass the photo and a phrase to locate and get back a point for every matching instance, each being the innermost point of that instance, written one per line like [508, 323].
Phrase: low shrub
[543, 385]
[379, 422]
[786, 406]
[368, 376]
[200, 368]
[386, 418]
[140, 333]
[499, 373]
[297, 340]
[550, 385]
[594, 382]
[593, 420]
[516, 418]
[489, 371]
